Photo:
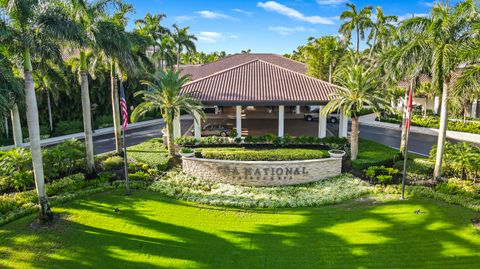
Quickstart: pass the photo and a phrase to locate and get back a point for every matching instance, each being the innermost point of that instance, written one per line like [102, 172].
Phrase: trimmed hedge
[267, 139]
[152, 152]
[242, 154]
[434, 122]
[374, 154]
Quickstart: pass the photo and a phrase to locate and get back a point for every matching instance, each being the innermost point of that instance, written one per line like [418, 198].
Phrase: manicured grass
[373, 154]
[152, 152]
[279, 154]
[150, 231]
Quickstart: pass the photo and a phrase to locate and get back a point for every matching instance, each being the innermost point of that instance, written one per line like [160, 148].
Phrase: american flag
[409, 109]
[123, 105]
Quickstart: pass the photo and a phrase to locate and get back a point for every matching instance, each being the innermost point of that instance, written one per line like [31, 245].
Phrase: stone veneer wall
[262, 173]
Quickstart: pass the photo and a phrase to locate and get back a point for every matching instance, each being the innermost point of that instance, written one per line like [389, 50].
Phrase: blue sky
[263, 26]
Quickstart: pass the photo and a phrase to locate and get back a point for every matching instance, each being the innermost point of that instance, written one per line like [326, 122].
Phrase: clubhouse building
[260, 93]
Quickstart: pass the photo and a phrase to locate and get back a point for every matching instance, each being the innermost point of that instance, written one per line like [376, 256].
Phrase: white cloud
[209, 37]
[331, 2]
[290, 30]
[427, 3]
[183, 18]
[408, 16]
[212, 14]
[292, 13]
[248, 13]
[233, 36]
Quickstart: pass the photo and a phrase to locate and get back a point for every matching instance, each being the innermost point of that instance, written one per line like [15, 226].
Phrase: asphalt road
[105, 143]
[418, 143]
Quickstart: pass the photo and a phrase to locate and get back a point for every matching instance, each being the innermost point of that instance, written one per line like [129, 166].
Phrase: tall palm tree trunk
[16, 127]
[49, 105]
[87, 118]
[373, 45]
[34, 134]
[442, 131]
[115, 108]
[170, 139]
[5, 122]
[358, 39]
[178, 57]
[330, 68]
[403, 136]
[354, 139]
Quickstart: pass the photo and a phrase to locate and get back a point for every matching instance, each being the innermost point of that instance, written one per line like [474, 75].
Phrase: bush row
[434, 122]
[242, 154]
[152, 152]
[16, 170]
[330, 141]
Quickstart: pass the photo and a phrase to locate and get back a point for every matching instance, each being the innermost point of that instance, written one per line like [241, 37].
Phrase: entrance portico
[261, 90]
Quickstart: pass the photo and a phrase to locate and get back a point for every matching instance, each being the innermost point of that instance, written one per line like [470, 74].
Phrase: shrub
[459, 187]
[242, 154]
[381, 174]
[374, 154]
[103, 121]
[112, 163]
[186, 150]
[186, 141]
[139, 176]
[66, 184]
[63, 159]
[16, 169]
[68, 127]
[152, 152]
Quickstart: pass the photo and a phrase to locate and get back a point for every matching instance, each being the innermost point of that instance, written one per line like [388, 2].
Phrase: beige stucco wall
[261, 173]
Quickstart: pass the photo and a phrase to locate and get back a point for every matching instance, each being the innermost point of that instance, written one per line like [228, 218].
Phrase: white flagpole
[125, 160]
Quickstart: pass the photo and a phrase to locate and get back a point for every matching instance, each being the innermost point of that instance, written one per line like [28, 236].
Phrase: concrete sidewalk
[98, 132]
[369, 120]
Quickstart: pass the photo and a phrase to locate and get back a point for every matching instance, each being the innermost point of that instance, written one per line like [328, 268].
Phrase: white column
[297, 110]
[217, 111]
[239, 121]
[177, 129]
[322, 123]
[197, 125]
[343, 126]
[281, 121]
[436, 103]
[474, 108]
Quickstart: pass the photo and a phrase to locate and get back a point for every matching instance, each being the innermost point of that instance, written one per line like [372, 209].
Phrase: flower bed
[178, 185]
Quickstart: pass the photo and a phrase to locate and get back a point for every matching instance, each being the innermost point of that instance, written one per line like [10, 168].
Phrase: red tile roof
[259, 82]
[200, 71]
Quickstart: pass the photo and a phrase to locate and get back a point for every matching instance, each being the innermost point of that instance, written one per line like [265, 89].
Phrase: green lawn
[150, 231]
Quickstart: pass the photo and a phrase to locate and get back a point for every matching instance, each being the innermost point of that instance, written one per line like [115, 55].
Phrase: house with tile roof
[262, 87]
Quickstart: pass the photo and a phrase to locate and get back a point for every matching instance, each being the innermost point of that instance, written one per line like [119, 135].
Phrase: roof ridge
[221, 71]
[304, 75]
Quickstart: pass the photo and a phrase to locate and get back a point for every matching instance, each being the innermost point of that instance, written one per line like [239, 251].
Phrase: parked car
[313, 115]
[216, 129]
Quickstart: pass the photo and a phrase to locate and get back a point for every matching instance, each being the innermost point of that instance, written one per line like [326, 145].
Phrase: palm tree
[443, 34]
[33, 28]
[358, 21]
[150, 26]
[164, 94]
[11, 95]
[183, 39]
[358, 88]
[100, 35]
[382, 29]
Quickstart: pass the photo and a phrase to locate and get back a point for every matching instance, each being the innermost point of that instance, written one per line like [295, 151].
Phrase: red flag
[409, 109]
